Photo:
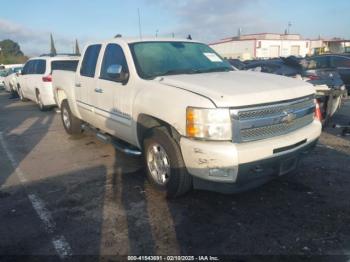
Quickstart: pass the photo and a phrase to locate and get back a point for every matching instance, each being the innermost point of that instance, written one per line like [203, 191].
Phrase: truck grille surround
[270, 120]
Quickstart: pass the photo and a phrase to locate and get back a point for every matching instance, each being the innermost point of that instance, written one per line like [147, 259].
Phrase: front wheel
[71, 124]
[165, 167]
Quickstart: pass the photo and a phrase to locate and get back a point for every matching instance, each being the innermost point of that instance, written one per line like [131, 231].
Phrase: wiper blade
[216, 69]
[178, 72]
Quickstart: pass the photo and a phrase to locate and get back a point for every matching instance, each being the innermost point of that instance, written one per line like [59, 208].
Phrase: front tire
[164, 163]
[71, 124]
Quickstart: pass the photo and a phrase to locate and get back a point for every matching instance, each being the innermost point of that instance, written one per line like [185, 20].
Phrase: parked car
[274, 66]
[10, 81]
[328, 84]
[197, 121]
[35, 81]
[333, 62]
[237, 63]
[3, 74]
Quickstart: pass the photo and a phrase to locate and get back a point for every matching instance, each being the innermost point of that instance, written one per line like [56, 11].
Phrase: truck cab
[197, 121]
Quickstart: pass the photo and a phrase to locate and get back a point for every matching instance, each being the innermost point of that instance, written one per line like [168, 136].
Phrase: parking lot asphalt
[65, 196]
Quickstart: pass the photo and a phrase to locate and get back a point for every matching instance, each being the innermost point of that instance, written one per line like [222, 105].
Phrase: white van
[35, 81]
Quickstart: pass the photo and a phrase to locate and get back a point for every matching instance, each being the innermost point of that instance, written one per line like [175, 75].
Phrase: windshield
[154, 59]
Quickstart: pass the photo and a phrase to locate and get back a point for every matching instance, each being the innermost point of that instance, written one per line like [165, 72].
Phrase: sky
[30, 22]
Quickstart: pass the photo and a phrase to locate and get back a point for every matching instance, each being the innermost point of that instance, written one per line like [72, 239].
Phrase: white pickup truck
[198, 122]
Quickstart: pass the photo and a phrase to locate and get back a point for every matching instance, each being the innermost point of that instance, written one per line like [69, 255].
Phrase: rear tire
[39, 102]
[71, 124]
[164, 163]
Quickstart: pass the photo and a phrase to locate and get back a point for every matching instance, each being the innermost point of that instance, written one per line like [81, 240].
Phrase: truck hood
[240, 88]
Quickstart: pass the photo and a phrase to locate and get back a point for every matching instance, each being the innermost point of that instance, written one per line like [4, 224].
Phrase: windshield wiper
[178, 72]
[215, 69]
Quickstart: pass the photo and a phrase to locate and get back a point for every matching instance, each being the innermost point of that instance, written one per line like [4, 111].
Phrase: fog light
[219, 172]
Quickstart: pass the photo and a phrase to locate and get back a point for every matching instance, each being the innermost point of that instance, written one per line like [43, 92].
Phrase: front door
[112, 95]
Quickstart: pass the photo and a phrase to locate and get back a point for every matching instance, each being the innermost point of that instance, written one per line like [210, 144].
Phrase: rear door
[85, 83]
[36, 83]
[113, 107]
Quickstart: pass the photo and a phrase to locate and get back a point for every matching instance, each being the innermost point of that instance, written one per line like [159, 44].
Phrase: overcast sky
[30, 22]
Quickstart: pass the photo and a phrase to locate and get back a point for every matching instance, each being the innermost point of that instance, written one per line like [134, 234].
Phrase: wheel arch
[147, 122]
[60, 96]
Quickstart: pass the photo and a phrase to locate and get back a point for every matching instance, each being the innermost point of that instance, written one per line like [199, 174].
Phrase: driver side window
[113, 55]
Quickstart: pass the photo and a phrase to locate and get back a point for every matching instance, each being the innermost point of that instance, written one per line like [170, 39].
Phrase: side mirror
[115, 73]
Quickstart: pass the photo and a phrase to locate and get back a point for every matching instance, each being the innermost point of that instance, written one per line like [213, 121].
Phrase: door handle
[77, 85]
[99, 90]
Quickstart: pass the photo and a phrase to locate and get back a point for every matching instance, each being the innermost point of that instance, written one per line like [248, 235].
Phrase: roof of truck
[130, 40]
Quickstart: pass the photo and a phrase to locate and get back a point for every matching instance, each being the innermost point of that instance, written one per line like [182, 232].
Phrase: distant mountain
[10, 53]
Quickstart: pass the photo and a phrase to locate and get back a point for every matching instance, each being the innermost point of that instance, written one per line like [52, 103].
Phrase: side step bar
[117, 143]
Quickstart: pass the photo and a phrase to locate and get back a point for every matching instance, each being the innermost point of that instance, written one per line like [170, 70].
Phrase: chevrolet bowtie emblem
[289, 117]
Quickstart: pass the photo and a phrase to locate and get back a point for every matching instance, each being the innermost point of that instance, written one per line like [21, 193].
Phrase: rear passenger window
[88, 66]
[66, 65]
[40, 67]
[113, 55]
[30, 67]
[319, 62]
[338, 61]
[25, 68]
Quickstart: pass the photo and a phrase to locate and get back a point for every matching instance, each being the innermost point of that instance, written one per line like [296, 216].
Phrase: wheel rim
[66, 119]
[158, 164]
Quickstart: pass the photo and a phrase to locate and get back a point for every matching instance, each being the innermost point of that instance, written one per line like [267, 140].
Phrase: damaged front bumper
[255, 174]
[228, 167]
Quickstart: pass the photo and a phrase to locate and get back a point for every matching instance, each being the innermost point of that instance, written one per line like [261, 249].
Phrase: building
[270, 45]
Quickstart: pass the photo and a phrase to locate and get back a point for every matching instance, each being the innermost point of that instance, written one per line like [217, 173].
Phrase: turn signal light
[318, 113]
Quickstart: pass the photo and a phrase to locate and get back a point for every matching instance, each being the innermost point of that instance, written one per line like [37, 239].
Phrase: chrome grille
[265, 121]
[273, 109]
[275, 130]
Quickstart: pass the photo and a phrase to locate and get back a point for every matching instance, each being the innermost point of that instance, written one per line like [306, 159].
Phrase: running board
[117, 143]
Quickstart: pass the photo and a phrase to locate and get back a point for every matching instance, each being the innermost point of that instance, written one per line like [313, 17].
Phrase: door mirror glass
[114, 71]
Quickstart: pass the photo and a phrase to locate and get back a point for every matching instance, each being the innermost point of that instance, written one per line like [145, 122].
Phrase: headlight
[211, 124]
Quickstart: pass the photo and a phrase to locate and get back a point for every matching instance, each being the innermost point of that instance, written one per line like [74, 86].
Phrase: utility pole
[77, 50]
[140, 30]
[289, 26]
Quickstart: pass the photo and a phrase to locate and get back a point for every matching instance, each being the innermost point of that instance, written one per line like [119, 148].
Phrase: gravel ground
[61, 196]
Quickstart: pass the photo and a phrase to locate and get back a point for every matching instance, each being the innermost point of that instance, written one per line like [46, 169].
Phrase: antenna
[140, 30]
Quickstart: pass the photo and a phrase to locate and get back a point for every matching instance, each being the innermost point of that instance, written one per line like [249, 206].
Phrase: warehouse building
[264, 45]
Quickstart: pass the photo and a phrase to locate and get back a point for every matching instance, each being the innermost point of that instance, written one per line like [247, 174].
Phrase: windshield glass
[154, 59]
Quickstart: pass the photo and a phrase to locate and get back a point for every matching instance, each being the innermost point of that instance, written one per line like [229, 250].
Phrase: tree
[10, 47]
[10, 53]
